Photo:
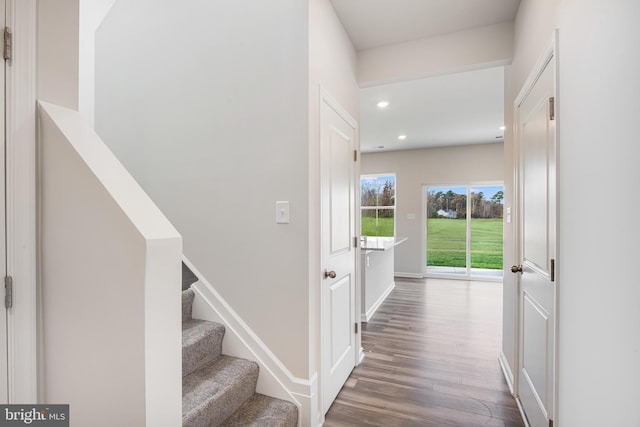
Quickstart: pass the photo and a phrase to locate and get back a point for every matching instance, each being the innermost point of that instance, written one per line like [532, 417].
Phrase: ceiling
[374, 23]
[455, 109]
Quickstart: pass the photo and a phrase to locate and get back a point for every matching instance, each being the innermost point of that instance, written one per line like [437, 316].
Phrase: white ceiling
[373, 23]
[456, 109]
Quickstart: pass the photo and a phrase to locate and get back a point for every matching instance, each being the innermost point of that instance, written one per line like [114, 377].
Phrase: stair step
[201, 343]
[264, 411]
[214, 392]
[187, 304]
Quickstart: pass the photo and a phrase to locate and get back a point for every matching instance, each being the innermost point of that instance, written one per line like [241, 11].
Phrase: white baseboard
[408, 275]
[506, 370]
[521, 409]
[508, 376]
[365, 317]
[240, 341]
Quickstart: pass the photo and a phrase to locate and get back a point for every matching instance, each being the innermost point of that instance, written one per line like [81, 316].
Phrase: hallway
[431, 359]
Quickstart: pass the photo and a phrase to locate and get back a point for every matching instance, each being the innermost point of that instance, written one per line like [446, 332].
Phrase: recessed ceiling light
[402, 137]
[383, 104]
[503, 127]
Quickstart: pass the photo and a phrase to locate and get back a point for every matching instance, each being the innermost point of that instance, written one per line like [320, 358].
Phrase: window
[464, 230]
[378, 205]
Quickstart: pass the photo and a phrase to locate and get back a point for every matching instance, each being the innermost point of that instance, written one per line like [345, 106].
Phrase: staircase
[219, 390]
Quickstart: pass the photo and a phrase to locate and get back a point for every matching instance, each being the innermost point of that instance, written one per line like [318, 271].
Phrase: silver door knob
[516, 269]
[329, 274]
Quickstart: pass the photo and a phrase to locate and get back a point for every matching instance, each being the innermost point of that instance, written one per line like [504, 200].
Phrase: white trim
[506, 371]
[369, 314]
[404, 275]
[521, 410]
[240, 341]
[335, 105]
[495, 279]
[21, 202]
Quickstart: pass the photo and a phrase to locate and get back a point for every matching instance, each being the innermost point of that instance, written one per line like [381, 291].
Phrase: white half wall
[109, 284]
[467, 164]
[482, 47]
[376, 280]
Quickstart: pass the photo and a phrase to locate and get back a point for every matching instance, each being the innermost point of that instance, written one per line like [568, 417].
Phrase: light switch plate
[282, 212]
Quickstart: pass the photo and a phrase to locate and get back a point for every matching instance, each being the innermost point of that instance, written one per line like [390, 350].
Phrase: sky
[381, 179]
[488, 190]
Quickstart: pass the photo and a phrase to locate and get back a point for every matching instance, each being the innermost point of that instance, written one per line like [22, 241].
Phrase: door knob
[331, 274]
[516, 269]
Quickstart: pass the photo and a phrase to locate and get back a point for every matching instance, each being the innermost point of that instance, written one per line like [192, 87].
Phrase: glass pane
[386, 191]
[385, 222]
[447, 230]
[486, 230]
[368, 222]
[369, 191]
[378, 190]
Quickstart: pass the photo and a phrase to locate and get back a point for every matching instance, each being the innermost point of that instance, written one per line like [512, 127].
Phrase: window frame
[468, 269]
[379, 207]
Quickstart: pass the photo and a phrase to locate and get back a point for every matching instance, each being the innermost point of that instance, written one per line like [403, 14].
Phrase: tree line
[372, 194]
[454, 205]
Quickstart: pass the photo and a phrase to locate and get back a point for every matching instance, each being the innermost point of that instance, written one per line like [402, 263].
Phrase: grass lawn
[446, 241]
[385, 226]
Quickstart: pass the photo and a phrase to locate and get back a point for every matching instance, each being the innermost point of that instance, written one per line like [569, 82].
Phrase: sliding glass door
[464, 230]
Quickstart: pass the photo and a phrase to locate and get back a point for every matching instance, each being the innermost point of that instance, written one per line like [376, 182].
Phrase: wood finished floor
[431, 359]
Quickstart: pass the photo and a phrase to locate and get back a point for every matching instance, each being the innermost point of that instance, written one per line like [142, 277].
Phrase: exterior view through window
[378, 205]
[464, 230]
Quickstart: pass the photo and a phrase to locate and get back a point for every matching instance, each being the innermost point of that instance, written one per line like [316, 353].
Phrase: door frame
[326, 97]
[550, 55]
[21, 178]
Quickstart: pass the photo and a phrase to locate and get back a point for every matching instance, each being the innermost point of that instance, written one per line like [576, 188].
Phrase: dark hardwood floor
[431, 359]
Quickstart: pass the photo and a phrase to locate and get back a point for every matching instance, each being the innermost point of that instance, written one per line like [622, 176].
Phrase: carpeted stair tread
[187, 304]
[264, 411]
[201, 343]
[214, 392]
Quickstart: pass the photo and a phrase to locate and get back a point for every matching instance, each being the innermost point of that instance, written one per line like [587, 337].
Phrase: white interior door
[537, 231]
[338, 336]
[3, 238]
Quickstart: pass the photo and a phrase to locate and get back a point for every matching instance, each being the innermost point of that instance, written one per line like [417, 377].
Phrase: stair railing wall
[109, 284]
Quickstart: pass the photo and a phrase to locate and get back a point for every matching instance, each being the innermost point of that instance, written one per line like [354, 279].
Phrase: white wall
[206, 103]
[599, 322]
[91, 13]
[414, 168]
[482, 47]
[57, 52]
[109, 285]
